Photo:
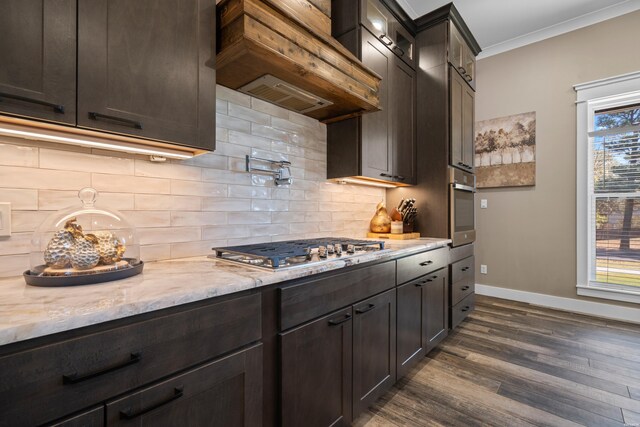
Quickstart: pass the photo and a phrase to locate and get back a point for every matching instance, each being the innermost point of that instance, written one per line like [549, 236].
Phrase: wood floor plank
[631, 418]
[559, 394]
[514, 364]
[548, 404]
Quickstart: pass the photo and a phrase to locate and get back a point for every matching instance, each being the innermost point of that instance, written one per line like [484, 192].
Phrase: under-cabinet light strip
[365, 182]
[11, 130]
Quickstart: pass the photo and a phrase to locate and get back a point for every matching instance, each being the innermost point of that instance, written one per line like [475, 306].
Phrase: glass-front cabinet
[376, 18]
[461, 56]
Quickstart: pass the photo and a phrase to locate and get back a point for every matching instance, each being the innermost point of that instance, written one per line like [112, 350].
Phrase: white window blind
[614, 190]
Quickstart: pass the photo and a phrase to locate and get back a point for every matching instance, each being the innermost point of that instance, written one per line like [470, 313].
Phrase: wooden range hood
[274, 48]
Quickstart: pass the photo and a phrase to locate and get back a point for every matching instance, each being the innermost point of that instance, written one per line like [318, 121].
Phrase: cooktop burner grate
[287, 253]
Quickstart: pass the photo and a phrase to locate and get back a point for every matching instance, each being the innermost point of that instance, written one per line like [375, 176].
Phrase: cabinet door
[145, 68]
[403, 109]
[377, 135]
[456, 47]
[91, 418]
[316, 372]
[411, 325]
[437, 297]
[468, 117]
[38, 55]
[374, 349]
[227, 392]
[469, 64]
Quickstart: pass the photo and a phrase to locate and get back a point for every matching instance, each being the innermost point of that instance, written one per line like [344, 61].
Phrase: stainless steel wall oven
[462, 221]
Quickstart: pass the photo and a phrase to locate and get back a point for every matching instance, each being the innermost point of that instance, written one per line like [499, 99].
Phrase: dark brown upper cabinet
[146, 68]
[142, 69]
[461, 103]
[38, 51]
[378, 146]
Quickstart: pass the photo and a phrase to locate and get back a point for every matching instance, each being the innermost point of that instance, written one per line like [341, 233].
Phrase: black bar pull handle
[364, 310]
[425, 263]
[345, 318]
[78, 378]
[388, 41]
[466, 308]
[465, 288]
[400, 177]
[126, 122]
[465, 268]
[401, 51]
[56, 107]
[129, 414]
[468, 77]
[386, 175]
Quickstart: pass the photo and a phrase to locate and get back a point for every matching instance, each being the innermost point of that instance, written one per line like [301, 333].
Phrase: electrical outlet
[5, 219]
[483, 204]
[483, 269]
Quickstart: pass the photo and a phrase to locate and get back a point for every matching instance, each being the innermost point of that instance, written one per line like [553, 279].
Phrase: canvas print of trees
[506, 151]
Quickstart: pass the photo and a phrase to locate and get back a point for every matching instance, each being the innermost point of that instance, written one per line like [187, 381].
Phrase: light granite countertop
[29, 312]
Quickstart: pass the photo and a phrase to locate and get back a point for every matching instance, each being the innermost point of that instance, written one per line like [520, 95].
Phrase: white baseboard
[598, 309]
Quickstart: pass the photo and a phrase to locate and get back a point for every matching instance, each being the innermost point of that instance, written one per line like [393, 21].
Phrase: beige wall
[527, 236]
[183, 208]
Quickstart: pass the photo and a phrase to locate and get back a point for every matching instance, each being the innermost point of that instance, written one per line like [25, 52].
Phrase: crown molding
[562, 28]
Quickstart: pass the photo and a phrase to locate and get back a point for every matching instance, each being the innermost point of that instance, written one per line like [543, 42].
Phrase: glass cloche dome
[83, 244]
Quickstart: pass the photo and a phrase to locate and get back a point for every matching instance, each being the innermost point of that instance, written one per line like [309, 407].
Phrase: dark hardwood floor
[514, 364]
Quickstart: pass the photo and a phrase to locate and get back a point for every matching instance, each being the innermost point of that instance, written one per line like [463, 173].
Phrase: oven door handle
[464, 188]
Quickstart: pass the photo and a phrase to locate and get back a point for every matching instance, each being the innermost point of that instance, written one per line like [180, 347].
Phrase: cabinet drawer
[91, 418]
[414, 266]
[461, 310]
[64, 377]
[226, 391]
[460, 290]
[311, 299]
[463, 270]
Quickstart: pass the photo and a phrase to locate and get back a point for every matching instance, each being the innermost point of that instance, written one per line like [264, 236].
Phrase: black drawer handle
[364, 310]
[465, 288]
[465, 268]
[334, 322]
[386, 175]
[77, 378]
[128, 414]
[56, 107]
[126, 122]
[399, 49]
[382, 39]
[425, 263]
[466, 308]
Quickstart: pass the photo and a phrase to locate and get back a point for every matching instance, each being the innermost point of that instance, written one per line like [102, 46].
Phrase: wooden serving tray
[403, 236]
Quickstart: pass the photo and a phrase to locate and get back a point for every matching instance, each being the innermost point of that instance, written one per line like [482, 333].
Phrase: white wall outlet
[483, 269]
[483, 204]
[5, 219]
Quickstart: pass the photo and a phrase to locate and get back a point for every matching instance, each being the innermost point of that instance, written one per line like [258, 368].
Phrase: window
[608, 233]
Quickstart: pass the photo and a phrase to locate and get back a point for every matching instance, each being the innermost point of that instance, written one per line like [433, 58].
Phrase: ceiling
[501, 25]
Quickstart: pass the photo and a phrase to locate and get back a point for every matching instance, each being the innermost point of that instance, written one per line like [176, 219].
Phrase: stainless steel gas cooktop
[296, 253]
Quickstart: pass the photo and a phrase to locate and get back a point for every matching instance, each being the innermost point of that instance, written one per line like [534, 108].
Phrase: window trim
[591, 96]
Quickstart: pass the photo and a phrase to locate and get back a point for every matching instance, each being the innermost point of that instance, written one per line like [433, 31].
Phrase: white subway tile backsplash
[17, 155]
[130, 184]
[184, 208]
[149, 202]
[71, 161]
[183, 218]
[20, 199]
[18, 177]
[245, 113]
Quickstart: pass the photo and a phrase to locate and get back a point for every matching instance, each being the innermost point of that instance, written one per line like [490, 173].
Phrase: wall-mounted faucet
[281, 175]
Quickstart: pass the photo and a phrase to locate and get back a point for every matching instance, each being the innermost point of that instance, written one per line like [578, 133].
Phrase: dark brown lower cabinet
[374, 349]
[437, 297]
[91, 418]
[226, 392]
[316, 372]
[411, 321]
